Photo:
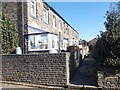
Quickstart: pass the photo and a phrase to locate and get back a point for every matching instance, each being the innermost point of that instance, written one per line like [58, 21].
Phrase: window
[60, 25]
[64, 28]
[38, 42]
[33, 8]
[53, 42]
[62, 42]
[65, 44]
[68, 31]
[32, 42]
[54, 21]
[45, 15]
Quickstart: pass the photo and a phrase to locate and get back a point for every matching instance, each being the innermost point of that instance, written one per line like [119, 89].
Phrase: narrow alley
[86, 74]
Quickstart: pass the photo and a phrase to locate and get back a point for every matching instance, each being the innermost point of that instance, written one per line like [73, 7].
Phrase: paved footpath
[86, 74]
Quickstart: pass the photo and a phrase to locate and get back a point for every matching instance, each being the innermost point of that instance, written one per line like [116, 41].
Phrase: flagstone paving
[86, 74]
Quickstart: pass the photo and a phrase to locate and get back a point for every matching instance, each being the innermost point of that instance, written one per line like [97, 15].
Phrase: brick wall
[41, 69]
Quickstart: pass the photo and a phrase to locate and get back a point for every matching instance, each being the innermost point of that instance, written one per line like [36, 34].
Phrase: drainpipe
[23, 42]
[59, 42]
[0, 35]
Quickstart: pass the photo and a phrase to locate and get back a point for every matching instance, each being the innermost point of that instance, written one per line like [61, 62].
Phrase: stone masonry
[107, 78]
[20, 14]
[40, 69]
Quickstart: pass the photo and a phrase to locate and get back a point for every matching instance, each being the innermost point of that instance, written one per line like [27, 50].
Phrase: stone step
[84, 87]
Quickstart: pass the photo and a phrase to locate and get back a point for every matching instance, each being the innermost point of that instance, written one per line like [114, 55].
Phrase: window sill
[38, 50]
[34, 17]
[54, 27]
[60, 30]
[46, 23]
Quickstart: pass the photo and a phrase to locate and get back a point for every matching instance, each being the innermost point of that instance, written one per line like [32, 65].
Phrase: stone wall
[107, 78]
[40, 69]
[75, 61]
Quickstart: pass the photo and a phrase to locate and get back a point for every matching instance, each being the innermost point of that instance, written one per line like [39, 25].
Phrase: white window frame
[65, 42]
[53, 42]
[29, 45]
[33, 7]
[45, 16]
[60, 25]
[67, 30]
[54, 21]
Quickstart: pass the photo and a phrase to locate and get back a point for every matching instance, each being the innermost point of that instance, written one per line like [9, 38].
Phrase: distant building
[92, 43]
[84, 49]
[40, 27]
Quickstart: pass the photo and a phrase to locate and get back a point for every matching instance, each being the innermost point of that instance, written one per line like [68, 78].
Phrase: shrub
[9, 35]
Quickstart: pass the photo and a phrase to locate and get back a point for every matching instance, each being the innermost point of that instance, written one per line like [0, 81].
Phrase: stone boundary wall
[106, 78]
[75, 61]
[40, 69]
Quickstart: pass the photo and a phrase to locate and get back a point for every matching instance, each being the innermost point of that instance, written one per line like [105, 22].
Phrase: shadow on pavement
[86, 74]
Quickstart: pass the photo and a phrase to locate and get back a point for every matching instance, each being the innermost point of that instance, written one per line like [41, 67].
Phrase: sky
[87, 18]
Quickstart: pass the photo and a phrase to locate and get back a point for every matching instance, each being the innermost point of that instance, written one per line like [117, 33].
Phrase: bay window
[53, 42]
[37, 42]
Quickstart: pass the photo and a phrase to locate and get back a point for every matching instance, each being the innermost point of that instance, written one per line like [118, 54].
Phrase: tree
[111, 25]
[9, 35]
[107, 49]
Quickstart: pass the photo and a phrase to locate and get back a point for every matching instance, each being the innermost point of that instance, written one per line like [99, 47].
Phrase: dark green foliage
[107, 48]
[9, 35]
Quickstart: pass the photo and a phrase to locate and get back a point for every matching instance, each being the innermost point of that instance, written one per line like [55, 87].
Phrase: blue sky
[86, 17]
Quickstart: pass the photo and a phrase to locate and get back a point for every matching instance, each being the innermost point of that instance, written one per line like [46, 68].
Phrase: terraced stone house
[40, 27]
